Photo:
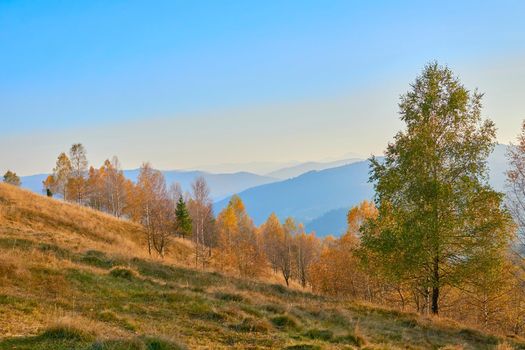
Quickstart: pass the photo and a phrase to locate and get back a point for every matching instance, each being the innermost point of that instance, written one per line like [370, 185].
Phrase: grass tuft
[303, 347]
[284, 322]
[252, 325]
[321, 334]
[229, 297]
[122, 272]
[65, 332]
[274, 308]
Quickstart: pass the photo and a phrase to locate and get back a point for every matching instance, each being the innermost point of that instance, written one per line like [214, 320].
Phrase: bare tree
[201, 212]
[77, 178]
[153, 208]
[114, 185]
[306, 250]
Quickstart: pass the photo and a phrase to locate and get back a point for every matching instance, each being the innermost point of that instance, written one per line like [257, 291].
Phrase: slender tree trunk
[435, 287]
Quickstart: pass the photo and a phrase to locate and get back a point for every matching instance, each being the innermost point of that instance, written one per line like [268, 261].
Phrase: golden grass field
[74, 278]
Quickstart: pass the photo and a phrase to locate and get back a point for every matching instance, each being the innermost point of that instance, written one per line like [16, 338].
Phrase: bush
[122, 272]
[284, 321]
[96, 258]
[65, 332]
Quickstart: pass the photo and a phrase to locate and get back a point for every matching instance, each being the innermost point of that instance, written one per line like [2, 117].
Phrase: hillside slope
[72, 278]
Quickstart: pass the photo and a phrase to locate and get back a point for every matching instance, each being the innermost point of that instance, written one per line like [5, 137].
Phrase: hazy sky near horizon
[188, 84]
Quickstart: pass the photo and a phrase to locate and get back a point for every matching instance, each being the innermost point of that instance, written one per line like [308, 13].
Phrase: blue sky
[107, 73]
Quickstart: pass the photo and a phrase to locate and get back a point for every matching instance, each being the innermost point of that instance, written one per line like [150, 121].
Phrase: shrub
[284, 321]
[65, 332]
[122, 272]
[96, 258]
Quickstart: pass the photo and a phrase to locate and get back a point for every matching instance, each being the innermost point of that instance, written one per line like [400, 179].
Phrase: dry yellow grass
[71, 277]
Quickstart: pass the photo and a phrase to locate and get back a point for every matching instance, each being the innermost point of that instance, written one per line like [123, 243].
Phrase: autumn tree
[201, 212]
[306, 249]
[11, 178]
[94, 188]
[436, 210]
[227, 228]
[183, 225]
[48, 185]
[359, 215]
[277, 241]
[239, 243]
[150, 205]
[76, 180]
[272, 233]
[114, 187]
[338, 269]
[58, 181]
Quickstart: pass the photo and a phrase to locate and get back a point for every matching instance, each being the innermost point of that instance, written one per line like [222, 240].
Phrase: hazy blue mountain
[321, 199]
[330, 223]
[221, 185]
[308, 196]
[299, 169]
[33, 182]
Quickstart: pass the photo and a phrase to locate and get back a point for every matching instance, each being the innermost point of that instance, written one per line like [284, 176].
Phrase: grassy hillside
[72, 278]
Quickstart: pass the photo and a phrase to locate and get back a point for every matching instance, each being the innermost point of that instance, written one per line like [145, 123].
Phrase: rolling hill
[74, 278]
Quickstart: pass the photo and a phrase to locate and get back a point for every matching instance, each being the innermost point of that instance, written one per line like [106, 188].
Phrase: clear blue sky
[73, 68]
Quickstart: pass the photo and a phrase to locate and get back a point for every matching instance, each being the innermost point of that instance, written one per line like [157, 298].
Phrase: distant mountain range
[332, 222]
[221, 185]
[308, 196]
[299, 169]
[321, 199]
[318, 194]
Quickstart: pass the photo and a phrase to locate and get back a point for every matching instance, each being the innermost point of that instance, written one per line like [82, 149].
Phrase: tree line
[435, 239]
[166, 212]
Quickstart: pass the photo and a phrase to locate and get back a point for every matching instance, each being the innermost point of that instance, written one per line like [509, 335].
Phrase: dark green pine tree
[183, 219]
